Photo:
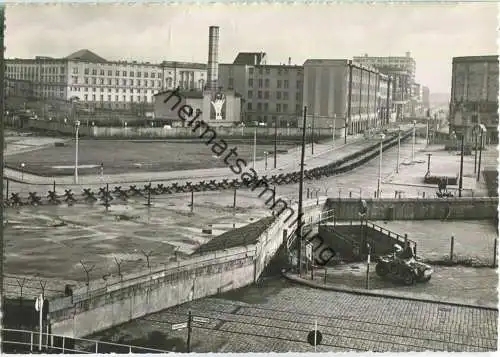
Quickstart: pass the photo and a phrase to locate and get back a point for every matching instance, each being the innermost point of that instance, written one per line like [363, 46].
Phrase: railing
[28, 341]
[330, 214]
[389, 233]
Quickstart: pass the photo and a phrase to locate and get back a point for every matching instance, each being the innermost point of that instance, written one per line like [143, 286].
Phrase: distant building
[474, 95]
[271, 93]
[96, 82]
[340, 93]
[401, 69]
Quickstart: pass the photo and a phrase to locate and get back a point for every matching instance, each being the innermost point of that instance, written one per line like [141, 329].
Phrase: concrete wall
[416, 209]
[175, 132]
[102, 305]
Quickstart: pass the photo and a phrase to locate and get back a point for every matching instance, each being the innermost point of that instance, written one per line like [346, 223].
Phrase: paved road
[277, 316]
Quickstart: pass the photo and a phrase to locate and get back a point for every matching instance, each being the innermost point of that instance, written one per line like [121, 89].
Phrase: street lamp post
[312, 136]
[475, 147]
[413, 142]
[382, 137]
[22, 171]
[333, 134]
[77, 127]
[483, 131]
[265, 155]
[254, 147]
[275, 140]
[460, 182]
[427, 133]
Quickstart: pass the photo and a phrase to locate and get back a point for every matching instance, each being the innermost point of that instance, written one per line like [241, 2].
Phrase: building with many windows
[401, 69]
[340, 93]
[97, 82]
[271, 93]
[474, 95]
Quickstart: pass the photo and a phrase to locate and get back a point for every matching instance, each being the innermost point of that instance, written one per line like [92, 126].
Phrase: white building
[91, 79]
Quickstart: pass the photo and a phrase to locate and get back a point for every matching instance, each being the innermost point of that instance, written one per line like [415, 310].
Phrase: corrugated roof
[237, 237]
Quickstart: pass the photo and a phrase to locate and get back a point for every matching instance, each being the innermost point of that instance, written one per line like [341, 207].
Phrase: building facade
[340, 94]
[401, 69]
[271, 94]
[474, 96]
[96, 82]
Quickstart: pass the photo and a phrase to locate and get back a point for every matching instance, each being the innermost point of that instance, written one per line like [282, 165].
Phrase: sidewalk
[287, 162]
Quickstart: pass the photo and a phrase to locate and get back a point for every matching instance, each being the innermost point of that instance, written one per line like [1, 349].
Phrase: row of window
[278, 107]
[109, 72]
[265, 83]
[35, 69]
[124, 82]
[278, 95]
[267, 70]
[113, 90]
[116, 98]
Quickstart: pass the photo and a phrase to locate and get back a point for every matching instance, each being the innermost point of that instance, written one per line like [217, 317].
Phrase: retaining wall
[467, 208]
[102, 305]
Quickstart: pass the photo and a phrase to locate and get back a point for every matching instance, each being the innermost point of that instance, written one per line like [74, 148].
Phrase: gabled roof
[249, 58]
[86, 55]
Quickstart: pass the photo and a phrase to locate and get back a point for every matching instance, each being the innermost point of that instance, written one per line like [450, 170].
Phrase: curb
[366, 292]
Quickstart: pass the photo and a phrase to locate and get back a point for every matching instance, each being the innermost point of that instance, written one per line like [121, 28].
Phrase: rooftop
[250, 58]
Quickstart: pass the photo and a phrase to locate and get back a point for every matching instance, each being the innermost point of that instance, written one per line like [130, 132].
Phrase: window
[151, 83]
[278, 107]
[74, 79]
[86, 89]
[266, 83]
[86, 71]
[266, 94]
[260, 83]
[299, 84]
[285, 83]
[101, 98]
[297, 96]
[159, 83]
[124, 98]
[86, 79]
[250, 71]
[116, 98]
[124, 82]
[153, 75]
[285, 95]
[124, 73]
[250, 94]
[94, 80]
[130, 82]
[109, 81]
[278, 95]
[131, 74]
[278, 83]
[117, 73]
[93, 89]
[266, 107]
[75, 70]
[93, 97]
[285, 107]
[250, 82]
[249, 106]
[110, 72]
[94, 72]
[86, 97]
[101, 81]
[268, 70]
[146, 74]
[259, 94]
[137, 82]
[102, 72]
[138, 74]
[298, 109]
[259, 106]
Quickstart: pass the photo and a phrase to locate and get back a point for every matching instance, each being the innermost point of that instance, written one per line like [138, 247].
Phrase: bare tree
[147, 255]
[119, 265]
[87, 272]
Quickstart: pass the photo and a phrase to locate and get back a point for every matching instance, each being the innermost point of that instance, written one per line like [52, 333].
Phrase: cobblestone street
[277, 316]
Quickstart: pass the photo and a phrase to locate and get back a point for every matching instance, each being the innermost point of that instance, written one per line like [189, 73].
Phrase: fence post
[96, 347]
[63, 341]
[423, 194]
[129, 349]
[452, 244]
[31, 341]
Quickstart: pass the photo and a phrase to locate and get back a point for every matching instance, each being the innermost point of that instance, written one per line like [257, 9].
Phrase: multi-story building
[401, 69]
[340, 94]
[474, 95]
[271, 93]
[97, 82]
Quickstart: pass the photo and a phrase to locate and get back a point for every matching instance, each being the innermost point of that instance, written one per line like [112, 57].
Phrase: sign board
[179, 326]
[202, 320]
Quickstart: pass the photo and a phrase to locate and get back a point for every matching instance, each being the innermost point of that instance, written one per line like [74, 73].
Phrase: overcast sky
[433, 33]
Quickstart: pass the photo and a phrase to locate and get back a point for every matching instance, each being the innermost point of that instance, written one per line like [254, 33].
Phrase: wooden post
[452, 245]
[192, 200]
[189, 328]
[495, 247]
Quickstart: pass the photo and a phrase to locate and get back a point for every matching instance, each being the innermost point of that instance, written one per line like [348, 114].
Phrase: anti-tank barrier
[105, 194]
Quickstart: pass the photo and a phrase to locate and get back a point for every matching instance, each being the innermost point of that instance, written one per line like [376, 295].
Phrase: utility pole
[312, 136]
[301, 188]
[460, 182]
[2, 143]
[349, 99]
[275, 140]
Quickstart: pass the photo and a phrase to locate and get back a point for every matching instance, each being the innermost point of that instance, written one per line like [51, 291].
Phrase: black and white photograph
[249, 177]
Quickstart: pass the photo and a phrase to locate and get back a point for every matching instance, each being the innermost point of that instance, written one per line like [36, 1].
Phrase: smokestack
[289, 61]
[213, 58]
